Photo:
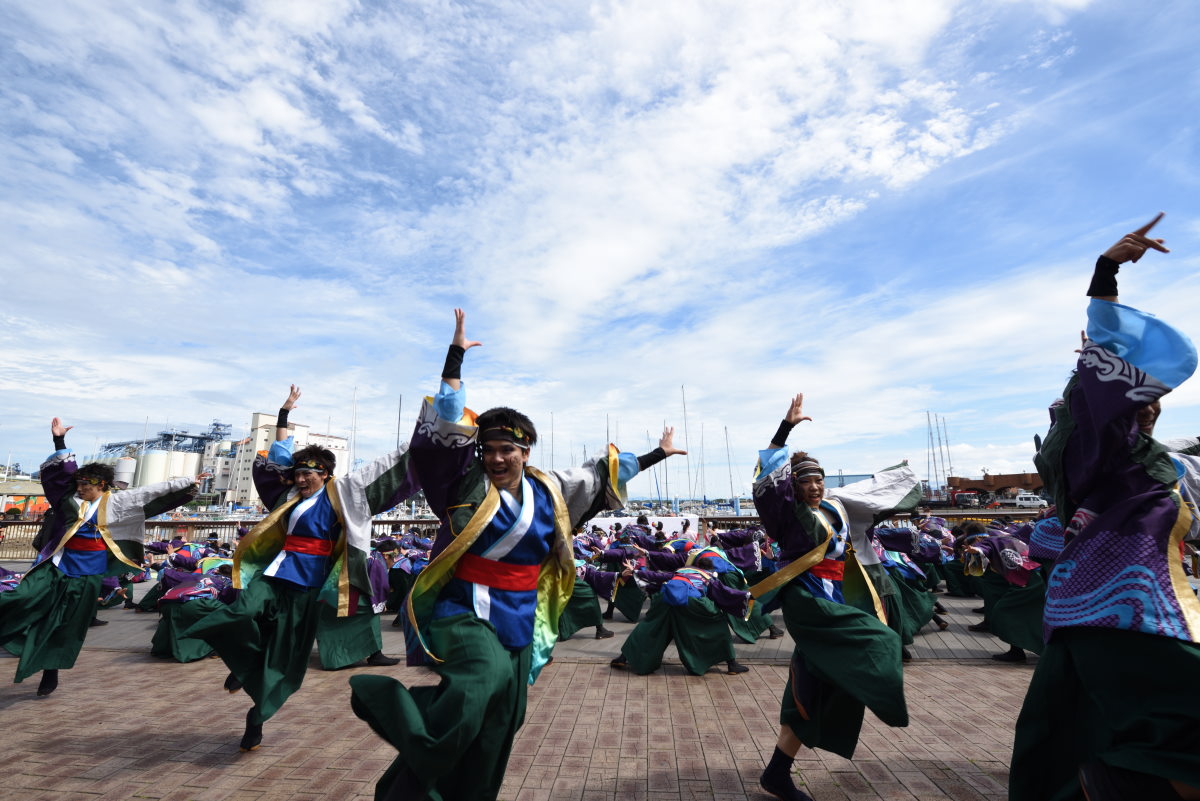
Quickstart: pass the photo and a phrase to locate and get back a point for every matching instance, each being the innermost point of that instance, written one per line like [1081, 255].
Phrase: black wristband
[781, 433]
[652, 458]
[60, 442]
[281, 420]
[454, 360]
[1104, 279]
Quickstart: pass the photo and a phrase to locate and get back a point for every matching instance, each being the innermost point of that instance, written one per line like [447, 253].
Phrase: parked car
[1030, 501]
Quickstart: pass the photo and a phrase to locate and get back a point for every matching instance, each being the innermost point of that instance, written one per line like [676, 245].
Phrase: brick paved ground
[125, 725]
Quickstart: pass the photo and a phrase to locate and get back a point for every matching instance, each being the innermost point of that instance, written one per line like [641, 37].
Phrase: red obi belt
[498, 575]
[830, 569]
[78, 543]
[309, 545]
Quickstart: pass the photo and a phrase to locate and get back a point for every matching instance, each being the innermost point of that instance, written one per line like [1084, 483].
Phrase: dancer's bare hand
[460, 331]
[293, 396]
[795, 412]
[667, 442]
[1134, 245]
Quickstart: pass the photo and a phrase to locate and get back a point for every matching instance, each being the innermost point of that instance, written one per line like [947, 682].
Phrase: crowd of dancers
[1096, 586]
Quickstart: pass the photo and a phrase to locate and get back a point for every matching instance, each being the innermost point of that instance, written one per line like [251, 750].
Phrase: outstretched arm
[281, 423]
[795, 414]
[459, 345]
[59, 432]
[1130, 247]
[666, 447]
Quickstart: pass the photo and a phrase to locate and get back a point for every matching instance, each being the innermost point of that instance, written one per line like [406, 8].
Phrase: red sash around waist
[78, 543]
[830, 569]
[308, 545]
[500, 575]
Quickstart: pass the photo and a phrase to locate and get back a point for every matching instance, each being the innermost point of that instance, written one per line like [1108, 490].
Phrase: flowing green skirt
[956, 582]
[1016, 616]
[169, 641]
[265, 638]
[1122, 697]
[845, 660]
[916, 604]
[344, 641]
[454, 738]
[46, 618]
[629, 601]
[700, 632]
[582, 610]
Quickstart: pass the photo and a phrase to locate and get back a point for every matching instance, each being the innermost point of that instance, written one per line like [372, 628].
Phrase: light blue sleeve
[449, 403]
[281, 452]
[627, 467]
[1143, 340]
[771, 460]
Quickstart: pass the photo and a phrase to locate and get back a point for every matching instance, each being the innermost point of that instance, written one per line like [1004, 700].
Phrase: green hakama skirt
[629, 600]
[845, 660]
[1120, 697]
[1016, 616]
[916, 604]
[583, 610]
[344, 641]
[956, 582]
[700, 632]
[265, 638]
[454, 738]
[175, 618]
[46, 618]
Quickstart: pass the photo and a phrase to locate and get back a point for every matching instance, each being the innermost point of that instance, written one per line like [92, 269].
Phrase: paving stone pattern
[124, 725]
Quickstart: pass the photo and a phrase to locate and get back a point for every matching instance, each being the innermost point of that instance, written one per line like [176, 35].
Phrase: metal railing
[17, 542]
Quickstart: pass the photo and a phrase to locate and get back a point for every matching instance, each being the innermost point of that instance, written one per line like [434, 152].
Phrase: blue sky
[892, 207]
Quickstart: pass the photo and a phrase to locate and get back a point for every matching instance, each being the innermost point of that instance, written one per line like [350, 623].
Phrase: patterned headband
[807, 467]
[512, 434]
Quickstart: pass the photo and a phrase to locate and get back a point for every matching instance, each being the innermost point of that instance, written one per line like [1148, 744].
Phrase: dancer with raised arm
[99, 533]
[846, 657]
[303, 566]
[1110, 712]
[484, 612]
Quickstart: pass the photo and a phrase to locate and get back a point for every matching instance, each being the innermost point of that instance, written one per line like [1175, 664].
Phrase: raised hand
[293, 396]
[795, 412]
[57, 429]
[667, 442]
[1134, 245]
[460, 331]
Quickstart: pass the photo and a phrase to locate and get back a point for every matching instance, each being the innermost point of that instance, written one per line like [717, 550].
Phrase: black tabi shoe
[232, 685]
[621, 663]
[252, 738]
[980, 626]
[603, 633]
[377, 659]
[941, 610]
[905, 656]
[1013, 654]
[97, 622]
[734, 667]
[774, 633]
[607, 615]
[49, 682]
[776, 780]
[979, 610]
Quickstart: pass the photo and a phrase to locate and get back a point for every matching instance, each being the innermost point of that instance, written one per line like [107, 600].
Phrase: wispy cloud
[204, 205]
